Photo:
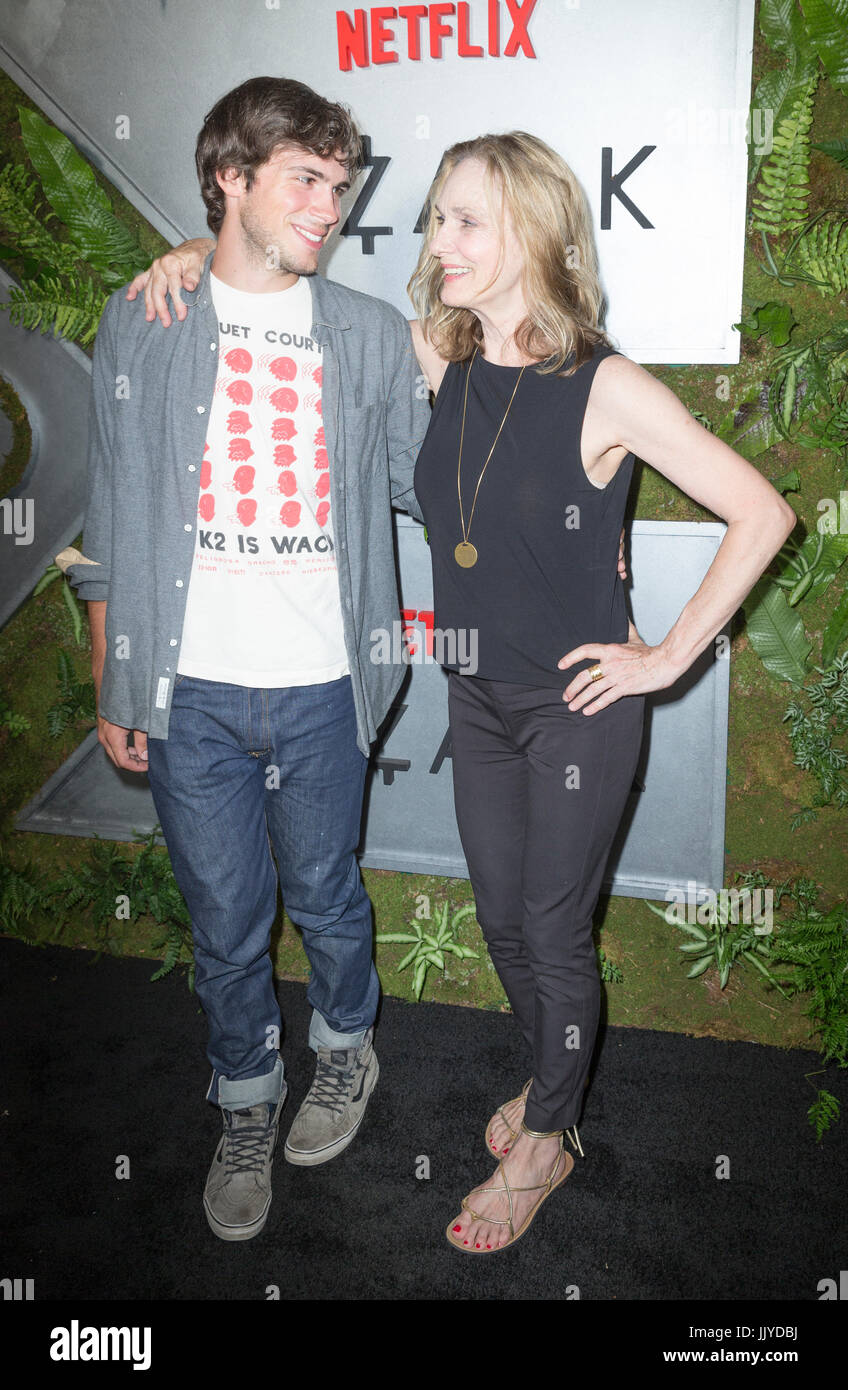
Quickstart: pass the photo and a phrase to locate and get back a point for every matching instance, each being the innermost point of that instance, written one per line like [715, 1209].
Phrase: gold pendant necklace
[465, 553]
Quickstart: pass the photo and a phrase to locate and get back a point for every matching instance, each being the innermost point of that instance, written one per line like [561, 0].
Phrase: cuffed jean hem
[248, 1090]
[322, 1035]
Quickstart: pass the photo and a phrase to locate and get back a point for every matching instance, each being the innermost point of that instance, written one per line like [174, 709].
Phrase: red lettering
[519, 38]
[438, 31]
[353, 39]
[413, 14]
[427, 617]
[463, 47]
[408, 633]
[380, 36]
[494, 21]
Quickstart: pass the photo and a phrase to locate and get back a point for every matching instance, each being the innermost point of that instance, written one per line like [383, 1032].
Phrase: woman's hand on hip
[630, 668]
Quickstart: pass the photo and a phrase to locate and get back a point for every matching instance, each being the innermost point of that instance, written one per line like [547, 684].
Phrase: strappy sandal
[546, 1188]
[513, 1133]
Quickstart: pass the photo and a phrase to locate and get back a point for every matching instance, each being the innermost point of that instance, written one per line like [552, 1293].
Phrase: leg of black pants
[539, 792]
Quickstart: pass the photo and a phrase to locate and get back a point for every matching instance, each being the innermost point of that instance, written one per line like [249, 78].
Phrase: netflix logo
[383, 34]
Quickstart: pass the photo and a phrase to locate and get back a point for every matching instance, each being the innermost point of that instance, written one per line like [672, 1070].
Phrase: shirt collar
[327, 309]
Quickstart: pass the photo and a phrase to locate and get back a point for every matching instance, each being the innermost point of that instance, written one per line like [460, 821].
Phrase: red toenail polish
[457, 1228]
[465, 1242]
[478, 1245]
[488, 1247]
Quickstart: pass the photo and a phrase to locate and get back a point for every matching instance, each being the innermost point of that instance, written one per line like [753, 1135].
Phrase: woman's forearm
[744, 553]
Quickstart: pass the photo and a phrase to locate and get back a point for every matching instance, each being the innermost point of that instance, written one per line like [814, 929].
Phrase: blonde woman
[523, 480]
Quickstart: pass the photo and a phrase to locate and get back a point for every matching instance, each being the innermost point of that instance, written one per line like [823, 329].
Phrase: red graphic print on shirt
[263, 605]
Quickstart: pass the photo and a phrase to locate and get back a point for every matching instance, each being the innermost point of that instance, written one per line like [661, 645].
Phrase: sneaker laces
[245, 1149]
[332, 1084]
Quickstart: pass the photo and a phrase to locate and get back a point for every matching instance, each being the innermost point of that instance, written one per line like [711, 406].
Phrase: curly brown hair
[246, 127]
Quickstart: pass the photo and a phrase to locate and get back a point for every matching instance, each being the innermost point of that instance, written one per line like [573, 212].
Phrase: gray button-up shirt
[152, 390]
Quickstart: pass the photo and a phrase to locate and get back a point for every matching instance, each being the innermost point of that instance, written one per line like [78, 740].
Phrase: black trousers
[539, 792]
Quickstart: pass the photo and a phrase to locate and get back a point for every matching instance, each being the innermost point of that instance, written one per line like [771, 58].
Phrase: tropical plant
[155, 892]
[429, 949]
[23, 894]
[114, 886]
[718, 940]
[610, 973]
[97, 885]
[815, 945]
[68, 269]
[17, 724]
[782, 26]
[780, 200]
[818, 733]
[823, 253]
[812, 943]
[71, 603]
[76, 699]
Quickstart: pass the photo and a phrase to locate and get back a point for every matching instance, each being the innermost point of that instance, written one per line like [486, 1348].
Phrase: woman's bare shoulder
[432, 365]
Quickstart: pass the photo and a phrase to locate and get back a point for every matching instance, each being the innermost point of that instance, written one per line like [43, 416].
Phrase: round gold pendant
[465, 555]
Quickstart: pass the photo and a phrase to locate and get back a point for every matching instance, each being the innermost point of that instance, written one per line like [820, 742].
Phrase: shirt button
[173, 642]
[201, 410]
[192, 468]
[179, 583]
[213, 346]
[187, 526]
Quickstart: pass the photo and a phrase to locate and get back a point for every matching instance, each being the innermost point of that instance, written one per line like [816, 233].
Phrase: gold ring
[596, 673]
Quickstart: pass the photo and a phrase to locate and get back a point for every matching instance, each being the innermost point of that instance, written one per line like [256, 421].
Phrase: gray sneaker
[238, 1189]
[335, 1103]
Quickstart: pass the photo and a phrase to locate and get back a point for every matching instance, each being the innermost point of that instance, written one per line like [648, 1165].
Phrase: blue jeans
[243, 771]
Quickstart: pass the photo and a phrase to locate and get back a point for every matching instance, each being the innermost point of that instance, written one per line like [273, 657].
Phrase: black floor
[98, 1063]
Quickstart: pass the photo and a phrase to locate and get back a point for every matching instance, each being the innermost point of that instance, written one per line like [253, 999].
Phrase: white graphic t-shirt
[263, 603]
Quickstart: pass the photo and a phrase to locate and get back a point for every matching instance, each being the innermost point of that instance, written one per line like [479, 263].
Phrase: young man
[242, 468]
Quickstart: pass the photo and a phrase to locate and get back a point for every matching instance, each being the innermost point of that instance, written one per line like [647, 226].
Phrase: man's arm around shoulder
[407, 417]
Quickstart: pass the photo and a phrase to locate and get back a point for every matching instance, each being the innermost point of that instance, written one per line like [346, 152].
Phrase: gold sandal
[547, 1187]
[513, 1133]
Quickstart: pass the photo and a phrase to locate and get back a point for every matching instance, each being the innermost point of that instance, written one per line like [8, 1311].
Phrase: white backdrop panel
[674, 75]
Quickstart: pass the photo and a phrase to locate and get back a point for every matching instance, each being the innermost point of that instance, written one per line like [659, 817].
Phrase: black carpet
[98, 1063]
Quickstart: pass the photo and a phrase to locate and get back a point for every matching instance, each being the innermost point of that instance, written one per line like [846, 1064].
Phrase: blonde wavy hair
[551, 218]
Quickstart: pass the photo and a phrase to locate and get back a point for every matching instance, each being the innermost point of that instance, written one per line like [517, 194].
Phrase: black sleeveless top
[547, 538]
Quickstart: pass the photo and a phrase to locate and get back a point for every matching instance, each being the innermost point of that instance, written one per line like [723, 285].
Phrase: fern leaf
[827, 26]
[823, 253]
[71, 310]
[23, 216]
[780, 201]
[75, 196]
[823, 1112]
[782, 27]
